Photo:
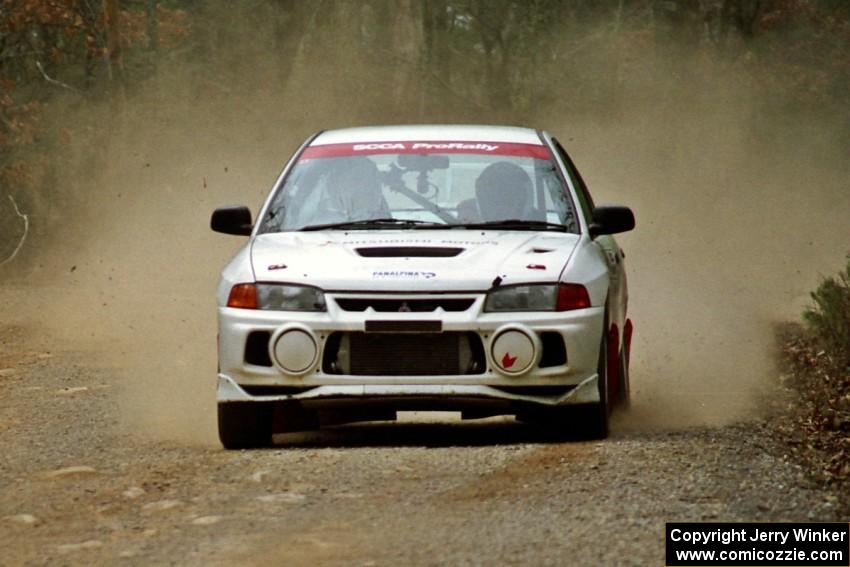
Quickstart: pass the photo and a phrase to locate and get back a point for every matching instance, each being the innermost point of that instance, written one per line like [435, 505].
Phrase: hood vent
[408, 252]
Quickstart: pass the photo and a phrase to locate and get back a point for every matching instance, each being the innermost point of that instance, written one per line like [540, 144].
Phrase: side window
[585, 201]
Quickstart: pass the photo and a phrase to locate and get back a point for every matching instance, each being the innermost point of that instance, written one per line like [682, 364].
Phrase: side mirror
[234, 219]
[611, 219]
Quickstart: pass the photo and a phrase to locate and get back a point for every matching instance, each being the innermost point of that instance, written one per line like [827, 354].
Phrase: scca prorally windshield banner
[419, 147]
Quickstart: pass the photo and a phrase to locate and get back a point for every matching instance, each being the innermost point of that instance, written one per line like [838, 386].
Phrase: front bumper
[572, 382]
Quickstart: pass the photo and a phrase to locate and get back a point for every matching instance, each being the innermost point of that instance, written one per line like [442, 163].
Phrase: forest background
[79, 77]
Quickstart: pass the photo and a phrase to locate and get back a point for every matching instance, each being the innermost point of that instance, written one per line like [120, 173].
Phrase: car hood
[410, 260]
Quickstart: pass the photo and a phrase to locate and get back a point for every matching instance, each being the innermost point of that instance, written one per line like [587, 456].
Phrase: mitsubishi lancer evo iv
[415, 268]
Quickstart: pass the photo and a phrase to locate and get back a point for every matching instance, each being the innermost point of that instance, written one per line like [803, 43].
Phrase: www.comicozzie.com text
[726, 536]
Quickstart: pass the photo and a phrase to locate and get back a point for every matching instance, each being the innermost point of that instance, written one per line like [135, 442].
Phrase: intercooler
[403, 354]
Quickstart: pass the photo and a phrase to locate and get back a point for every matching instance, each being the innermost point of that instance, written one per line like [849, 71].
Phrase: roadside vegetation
[829, 318]
[819, 356]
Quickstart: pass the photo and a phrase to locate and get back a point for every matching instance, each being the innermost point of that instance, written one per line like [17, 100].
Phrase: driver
[503, 191]
[350, 191]
[354, 189]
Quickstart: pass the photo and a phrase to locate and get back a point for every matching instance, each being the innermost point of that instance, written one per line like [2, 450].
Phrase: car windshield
[417, 185]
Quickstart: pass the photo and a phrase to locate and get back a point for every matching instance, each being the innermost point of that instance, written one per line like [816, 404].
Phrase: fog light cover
[295, 350]
[514, 350]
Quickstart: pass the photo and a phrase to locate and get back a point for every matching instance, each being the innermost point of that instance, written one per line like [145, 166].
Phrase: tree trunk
[408, 42]
[741, 15]
[115, 62]
[152, 25]
[293, 20]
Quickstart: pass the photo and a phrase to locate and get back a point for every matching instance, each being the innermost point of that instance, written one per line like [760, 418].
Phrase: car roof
[429, 133]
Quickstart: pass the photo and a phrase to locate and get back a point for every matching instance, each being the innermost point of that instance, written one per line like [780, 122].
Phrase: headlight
[538, 297]
[277, 297]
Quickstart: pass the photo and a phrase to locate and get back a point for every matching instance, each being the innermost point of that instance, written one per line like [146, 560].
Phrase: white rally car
[452, 268]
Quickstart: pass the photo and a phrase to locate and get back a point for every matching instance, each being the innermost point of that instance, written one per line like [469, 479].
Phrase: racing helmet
[503, 191]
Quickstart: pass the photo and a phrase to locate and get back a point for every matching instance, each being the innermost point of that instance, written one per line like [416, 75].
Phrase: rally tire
[245, 425]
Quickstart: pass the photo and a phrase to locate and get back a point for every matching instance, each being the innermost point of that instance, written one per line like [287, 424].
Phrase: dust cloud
[735, 222]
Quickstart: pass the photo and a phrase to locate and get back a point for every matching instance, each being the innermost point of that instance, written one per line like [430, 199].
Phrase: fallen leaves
[819, 435]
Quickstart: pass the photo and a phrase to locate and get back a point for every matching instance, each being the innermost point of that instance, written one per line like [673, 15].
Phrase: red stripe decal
[374, 148]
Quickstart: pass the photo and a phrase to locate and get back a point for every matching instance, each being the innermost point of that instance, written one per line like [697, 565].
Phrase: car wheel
[245, 425]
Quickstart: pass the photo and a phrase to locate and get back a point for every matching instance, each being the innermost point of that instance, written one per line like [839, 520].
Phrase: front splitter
[585, 392]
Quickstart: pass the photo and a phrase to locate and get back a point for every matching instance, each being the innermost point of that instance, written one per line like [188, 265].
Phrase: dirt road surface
[77, 488]
[107, 315]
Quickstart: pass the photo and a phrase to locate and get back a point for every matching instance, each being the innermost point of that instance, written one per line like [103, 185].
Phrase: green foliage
[829, 317]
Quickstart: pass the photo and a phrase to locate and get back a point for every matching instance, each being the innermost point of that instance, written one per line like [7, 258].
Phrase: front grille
[419, 354]
[404, 305]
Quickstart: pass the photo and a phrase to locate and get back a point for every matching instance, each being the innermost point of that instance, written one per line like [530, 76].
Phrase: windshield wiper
[514, 224]
[376, 223]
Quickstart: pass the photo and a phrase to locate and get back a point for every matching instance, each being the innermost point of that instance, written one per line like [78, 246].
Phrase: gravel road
[76, 488]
